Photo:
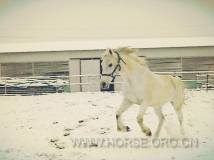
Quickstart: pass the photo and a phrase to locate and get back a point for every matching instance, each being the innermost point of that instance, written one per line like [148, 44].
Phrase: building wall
[27, 69]
[66, 55]
[160, 59]
[70, 62]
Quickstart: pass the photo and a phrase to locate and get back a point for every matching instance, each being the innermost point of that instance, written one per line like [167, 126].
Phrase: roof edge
[106, 43]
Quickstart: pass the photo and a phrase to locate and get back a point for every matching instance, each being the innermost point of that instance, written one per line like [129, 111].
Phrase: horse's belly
[152, 96]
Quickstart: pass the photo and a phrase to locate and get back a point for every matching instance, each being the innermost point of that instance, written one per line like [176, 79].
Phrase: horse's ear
[110, 51]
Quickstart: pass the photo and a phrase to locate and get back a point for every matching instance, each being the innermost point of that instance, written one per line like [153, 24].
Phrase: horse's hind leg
[178, 110]
[180, 116]
[160, 115]
[140, 115]
[124, 106]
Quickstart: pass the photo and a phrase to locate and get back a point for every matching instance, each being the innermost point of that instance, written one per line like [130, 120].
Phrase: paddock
[52, 106]
[44, 127]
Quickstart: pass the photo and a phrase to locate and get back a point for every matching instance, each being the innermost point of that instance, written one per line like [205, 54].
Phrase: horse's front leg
[123, 107]
[161, 119]
[140, 115]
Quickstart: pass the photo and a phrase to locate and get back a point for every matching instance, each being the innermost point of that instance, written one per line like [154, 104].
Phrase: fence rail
[54, 84]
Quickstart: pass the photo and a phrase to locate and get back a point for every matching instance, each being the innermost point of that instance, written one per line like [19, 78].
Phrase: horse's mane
[131, 52]
[126, 50]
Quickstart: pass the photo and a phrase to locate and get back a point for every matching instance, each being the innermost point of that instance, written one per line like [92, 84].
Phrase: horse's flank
[146, 83]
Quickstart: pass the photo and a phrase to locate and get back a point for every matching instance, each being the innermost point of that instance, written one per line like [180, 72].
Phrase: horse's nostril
[103, 84]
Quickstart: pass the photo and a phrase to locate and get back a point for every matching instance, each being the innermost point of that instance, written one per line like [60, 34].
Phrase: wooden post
[5, 87]
[207, 83]
[33, 69]
[0, 71]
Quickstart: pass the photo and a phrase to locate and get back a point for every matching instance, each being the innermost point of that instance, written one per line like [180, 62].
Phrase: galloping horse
[141, 87]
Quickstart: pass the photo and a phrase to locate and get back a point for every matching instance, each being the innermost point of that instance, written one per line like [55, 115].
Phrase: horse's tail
[179, 98]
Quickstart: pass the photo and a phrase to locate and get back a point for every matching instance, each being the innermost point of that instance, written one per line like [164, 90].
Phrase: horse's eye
[110, 65]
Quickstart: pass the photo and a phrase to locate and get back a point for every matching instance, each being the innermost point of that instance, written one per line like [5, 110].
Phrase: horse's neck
[135, 76]
[131, 66]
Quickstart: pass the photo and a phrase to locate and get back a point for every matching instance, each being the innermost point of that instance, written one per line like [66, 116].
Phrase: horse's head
[110, 66]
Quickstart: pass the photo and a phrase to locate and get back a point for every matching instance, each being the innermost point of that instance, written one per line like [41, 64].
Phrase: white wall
[66, 55]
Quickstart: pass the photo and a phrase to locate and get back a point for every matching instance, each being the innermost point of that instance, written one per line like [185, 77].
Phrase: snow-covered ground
[44, 127]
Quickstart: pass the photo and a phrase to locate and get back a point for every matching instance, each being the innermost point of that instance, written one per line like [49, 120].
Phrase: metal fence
[33, 85]
[38, 85]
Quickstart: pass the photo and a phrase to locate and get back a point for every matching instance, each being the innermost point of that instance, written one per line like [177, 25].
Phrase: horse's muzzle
[104, 85]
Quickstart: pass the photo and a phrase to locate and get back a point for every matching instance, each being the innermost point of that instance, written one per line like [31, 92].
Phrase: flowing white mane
[131, 53]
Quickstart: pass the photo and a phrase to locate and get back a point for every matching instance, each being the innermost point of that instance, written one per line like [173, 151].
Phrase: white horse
[141, 87]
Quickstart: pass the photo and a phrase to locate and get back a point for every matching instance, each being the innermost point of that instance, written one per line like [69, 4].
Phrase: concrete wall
[66, 55]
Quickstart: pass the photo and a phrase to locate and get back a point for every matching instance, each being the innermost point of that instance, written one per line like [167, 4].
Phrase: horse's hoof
[123, 129]
[119, 129]
[127, 128]
[148, 132]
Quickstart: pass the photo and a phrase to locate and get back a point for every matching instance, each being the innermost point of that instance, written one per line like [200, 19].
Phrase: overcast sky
[68, 20]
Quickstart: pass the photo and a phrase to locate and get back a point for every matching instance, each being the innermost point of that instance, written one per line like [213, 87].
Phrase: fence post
[5, 87]
[0, 70]
[207, 83]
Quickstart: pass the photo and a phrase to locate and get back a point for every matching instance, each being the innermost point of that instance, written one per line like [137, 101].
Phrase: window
[16, 69]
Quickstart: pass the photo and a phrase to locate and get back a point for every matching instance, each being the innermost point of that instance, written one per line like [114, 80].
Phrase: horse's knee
[140, 118]
[177, 105]
[159, 113]
[180, 116]
[117, 116]
[120, 111]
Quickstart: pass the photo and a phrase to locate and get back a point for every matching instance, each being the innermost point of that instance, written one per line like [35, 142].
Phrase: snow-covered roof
[102, 44]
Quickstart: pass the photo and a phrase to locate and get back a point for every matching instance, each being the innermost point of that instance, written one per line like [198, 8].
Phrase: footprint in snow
[57, 144]
[53, 140]
[68, 129]
[66, 134]
[55, 122]
[104, 130]
[81, 121]
[95, 118]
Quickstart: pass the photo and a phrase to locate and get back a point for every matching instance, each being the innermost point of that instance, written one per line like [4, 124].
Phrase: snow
[42, 127]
